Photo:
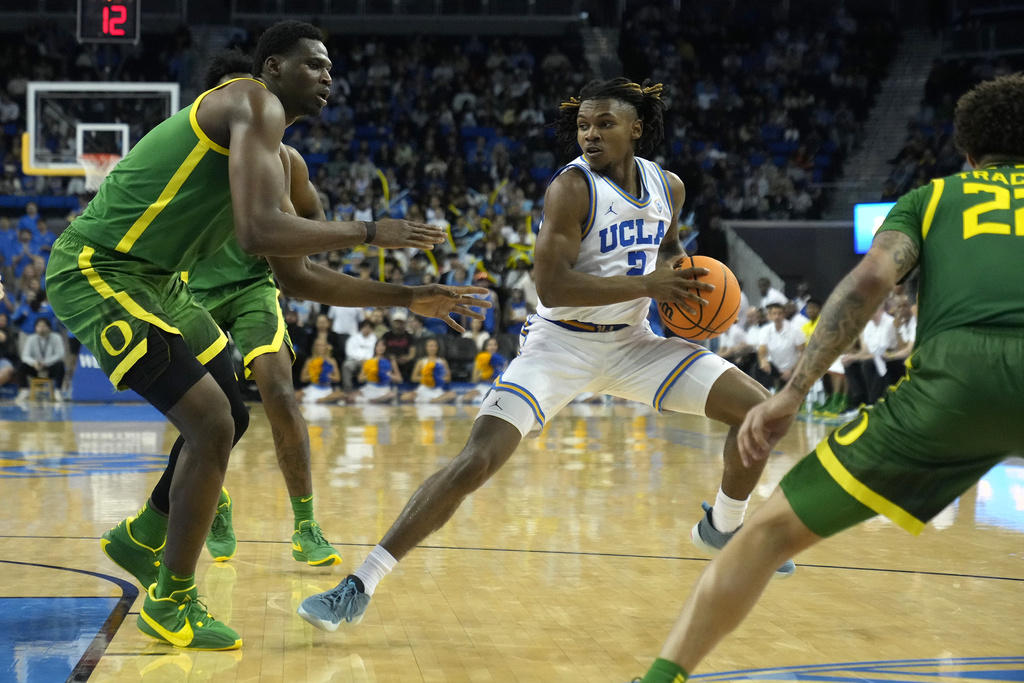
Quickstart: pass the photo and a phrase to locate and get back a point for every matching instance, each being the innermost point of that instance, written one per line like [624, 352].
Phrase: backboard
[68, 119]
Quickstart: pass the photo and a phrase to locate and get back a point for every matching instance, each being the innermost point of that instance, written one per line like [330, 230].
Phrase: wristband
[371, 231]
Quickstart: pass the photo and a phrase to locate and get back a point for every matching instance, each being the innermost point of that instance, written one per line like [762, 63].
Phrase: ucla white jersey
[621, 236]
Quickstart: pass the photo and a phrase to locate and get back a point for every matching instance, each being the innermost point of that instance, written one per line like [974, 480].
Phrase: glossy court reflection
[569, 566]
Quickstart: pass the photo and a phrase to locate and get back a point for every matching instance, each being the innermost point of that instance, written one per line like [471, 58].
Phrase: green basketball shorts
[951, 418]
[251, 314]
[109, 301]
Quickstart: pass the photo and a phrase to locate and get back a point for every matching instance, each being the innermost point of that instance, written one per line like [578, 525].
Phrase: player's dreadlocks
[645, 98]
[226, 63]
[987, 119]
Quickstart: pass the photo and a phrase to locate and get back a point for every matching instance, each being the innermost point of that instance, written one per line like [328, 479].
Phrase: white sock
[728, 513]
[378, 564]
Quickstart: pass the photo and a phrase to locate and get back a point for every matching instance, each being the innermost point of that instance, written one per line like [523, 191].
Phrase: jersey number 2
[637, 259]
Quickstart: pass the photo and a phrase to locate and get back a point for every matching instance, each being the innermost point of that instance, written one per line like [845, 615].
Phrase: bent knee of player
[732, 396]
[777, 530]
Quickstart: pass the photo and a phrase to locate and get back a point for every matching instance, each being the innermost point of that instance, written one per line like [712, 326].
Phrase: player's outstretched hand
[766, 423]
[393, 233]
[441, 301]
[678, 286]
[1, 290]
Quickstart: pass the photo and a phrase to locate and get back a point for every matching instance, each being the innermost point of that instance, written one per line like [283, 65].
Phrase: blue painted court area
[43, 639]
[80, 412]
[982, 669]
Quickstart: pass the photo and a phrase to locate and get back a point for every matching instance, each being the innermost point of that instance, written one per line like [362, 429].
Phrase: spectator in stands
[380, 377]
[477, 333]
[493, 314]
[431, 375]
[42, 356]
[769, 295]
[905, 323]
[300, 341]
[358, 349]
[33, 305]
[380, 324]
[779, 348]
[303, 311]
[322, 331]
[803, 294]
[25, 252]
[321, 373]
[44, 238]
[417, 329]
[516, 312]
[9, 357]
[345, 320]
[794, 316]
[756, 319]
[868, 373]
[489, 363]
[29, 219]
[400, 343]
[734, 345]
[418, 267]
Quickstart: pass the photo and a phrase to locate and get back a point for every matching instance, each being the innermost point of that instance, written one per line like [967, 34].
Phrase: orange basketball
[723, 303]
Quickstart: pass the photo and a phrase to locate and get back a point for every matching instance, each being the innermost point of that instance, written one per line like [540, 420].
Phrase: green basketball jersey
[168, 202]
[230, 266]
[970, 231]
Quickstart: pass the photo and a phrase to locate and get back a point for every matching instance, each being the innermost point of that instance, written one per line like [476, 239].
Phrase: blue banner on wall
[90, 383]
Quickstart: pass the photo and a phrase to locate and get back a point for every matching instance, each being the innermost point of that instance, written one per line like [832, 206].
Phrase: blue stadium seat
[474, 132]
[315, 159]
[541, 175]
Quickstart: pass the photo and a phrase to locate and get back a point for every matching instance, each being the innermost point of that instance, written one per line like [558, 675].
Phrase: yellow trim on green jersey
[169, 191]
[929, 213]
[123, 298]
[192, 117]
[863, 494]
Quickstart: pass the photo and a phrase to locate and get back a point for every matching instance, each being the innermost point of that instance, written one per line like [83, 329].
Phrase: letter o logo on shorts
[848, 437]
[126, 333]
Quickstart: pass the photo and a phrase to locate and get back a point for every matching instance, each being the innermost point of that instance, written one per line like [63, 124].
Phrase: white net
[97, 166]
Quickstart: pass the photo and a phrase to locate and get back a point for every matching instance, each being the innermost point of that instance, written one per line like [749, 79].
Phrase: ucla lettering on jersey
[621, 236]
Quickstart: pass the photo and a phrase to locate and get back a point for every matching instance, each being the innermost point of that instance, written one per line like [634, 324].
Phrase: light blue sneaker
[346, 602]
[709, 540]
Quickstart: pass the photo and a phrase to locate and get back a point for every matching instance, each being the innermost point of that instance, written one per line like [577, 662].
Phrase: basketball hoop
[97, 166]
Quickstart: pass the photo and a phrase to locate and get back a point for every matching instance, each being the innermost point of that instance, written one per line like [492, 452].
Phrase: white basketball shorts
[554, 365]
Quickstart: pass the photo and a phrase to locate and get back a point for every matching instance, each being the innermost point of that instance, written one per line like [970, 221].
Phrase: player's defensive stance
[953, 416]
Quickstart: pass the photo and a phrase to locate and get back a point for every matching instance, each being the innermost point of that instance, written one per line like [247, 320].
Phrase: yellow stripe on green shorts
[862, 493]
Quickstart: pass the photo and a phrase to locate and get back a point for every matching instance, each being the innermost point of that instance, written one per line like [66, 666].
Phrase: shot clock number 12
[108, 21]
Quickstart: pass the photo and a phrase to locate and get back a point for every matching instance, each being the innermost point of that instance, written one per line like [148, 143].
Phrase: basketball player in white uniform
[607, 245]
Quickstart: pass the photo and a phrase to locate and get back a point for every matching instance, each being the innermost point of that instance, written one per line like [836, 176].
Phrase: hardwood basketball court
[570, 565]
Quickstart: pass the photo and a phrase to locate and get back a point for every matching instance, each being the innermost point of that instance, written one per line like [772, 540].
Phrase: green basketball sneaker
[221, 540]
[181, 619]
[310, 546]
[131, 555]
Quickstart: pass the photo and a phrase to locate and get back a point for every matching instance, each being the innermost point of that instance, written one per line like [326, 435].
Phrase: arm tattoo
[854, 301]
[901, 249]
[842, 319]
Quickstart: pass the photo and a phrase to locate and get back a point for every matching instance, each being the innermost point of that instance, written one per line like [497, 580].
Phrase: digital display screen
[108, 21]
[866, 219]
